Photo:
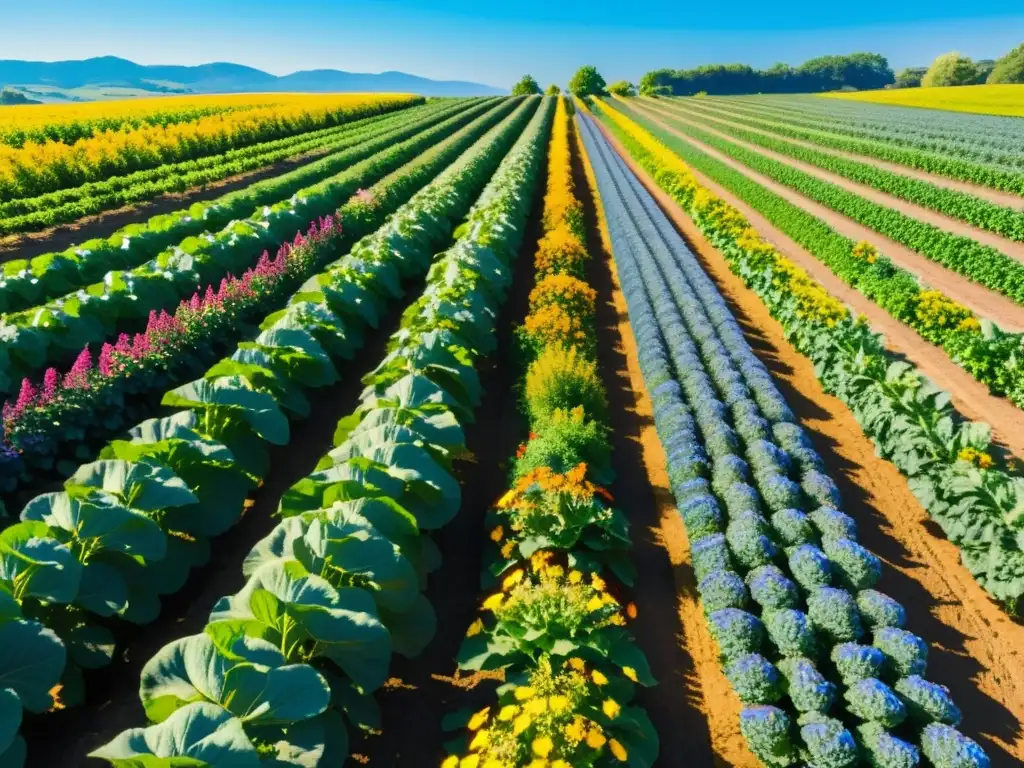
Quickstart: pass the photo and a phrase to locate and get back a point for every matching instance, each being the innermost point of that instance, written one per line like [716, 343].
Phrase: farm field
[526, 430]
[981, 99]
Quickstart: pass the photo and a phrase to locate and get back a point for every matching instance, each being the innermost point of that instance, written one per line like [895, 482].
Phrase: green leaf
[141, 485]
[10, 718]
[103, 590]
[91, 646]
[38, 567]
[32, 659]
[232, 395]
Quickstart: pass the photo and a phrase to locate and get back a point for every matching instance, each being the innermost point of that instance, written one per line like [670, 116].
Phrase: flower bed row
[63, 419]
[128, 528]
[335, 589]
[971, 494]
[553, 625]
[818, 656]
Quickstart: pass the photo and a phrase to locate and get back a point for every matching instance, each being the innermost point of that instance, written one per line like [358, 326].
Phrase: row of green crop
[128, 528]
[44, 334]
[981, 263]
[30, 214]
[335, 589]
[1003, 220]
[947, 461]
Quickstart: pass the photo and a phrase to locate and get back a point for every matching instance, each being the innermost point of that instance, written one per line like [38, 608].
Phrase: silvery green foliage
[767, 458]
[740, 497]
[880, 610]
[945, 747]
[833, 612]
[855, 567]
[871, 699]
[768, 731]
[748, 539]
[790, 632]
[828, 743]
[722, 589]
[883, 750]
[809, 566]
[857, 662]
[926, 701]
[820, 488]
[770, 588]
[728, 471]
[833, 524]
[793, 528]
[709, 555]
[905, 653]
[794, 441]
[701, 517]
[736, 632]
[691, 489]
[779, 491]
[806, 687]
[754, 679]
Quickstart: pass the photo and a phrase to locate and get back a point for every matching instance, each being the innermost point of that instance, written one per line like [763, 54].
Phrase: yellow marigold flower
[595, 739]
[481, 740]
[577, 663]
[512, 579]
[630, 673]
[611, 708]
[607, 599]
[520, 724]
[554, 571]
[494, 602]
[595, 604]
[575, 731]
[560, 764]
[598, 677]
[618, 750]
[538, 762]
[984, 460]
[470, 761]
[506, 549]
[598, 582]
[479, 718]
[536, 706]
[524, 692]
[575, 577]
[497, 534]
[558, 703]
[505, 500]
[507, 712]
[492, 762]
[475, 628]
[452, 761]
[542, 746]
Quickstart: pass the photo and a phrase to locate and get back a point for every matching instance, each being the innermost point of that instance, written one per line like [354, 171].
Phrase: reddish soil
[982, 301]
[975, 648]
[992, 195]
[1011, 248]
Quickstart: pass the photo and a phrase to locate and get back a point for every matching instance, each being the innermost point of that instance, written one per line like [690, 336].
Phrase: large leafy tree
[622, 88]
[1010, 68]
[950, 69]
[910, 77]
[587, 82]
[526, 87]
[553, 90]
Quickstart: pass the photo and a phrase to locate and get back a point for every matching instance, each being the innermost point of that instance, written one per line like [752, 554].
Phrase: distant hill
[113, 72]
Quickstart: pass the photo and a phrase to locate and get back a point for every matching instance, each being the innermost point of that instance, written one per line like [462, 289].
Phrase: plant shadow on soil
[112, 701]
[950, 664]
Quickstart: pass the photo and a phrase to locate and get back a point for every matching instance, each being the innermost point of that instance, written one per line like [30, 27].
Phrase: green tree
[526, 87]
[553, 90]
[622, 88]
[1010, 68]
[950, 69]
[587, 82]
[910, 77]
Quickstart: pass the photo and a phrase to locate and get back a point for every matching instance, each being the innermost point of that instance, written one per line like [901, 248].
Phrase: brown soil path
[976, 650]
[970, 397]
[1011, 248]
[692, 708]
[992, 195]
[982, 301]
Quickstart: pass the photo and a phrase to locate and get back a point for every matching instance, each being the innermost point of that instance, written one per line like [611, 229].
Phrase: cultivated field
[981, 99]
[511, 431]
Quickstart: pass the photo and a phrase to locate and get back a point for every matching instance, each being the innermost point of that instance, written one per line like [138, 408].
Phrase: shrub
[879, 610]
[696, 488]
[722, 589]
[1010, 68]
[926, 701]
[883, 750]
[793, 527]
[568, 439]
[950, 69]
[560, 252]
[807, 688]
[710, 554]
[739, 498]
[767, 458]
[553, 327]
[736, 632]
[820, 488]
[833, 524]
[834, 613]
[828, 743]
[791, 632]
[905, 653]
[587, 82]
[728, 471]
[553, 90]
[622, 88]
[571, 294]
[747, 539]
[779, 492]
[810, 567]
[767, 730]
[945, 747]
[527, 86]
[852, 564]
[563, 378]
[871, 699]
[771, 589]
[701, 517]
[856, 662]
[754, 679]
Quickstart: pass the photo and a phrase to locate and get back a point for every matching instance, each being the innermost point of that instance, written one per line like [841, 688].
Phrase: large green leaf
[37, 565]
[413, 628]
[90, 646]
[201, 735]
[10, 718]
[32, 659]
[351, 480]
[434, 495]
[140, 485]
[233, 396]
[440, 428]
[103, 590]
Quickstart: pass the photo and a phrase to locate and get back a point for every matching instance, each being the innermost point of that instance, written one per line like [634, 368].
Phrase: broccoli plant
[905, 653]
[722, 589]
[855, 567]
[883, 750]
[872, 700]
[945, 747]
[856, 662]
[710, 554]
[793, 528]
[810, 567]
[702, 517]
[834, 613]
[748, 540]
[754, 679]
[833, 524]
[807, 688]
[828, 743]
[770, 588]
[926, 701]
[791, 632]
[879, 610]
[736, 632]
[768, 732]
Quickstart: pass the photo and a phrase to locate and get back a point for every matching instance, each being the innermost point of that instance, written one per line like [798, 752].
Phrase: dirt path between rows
[1011, 248]
[983, 302]
[976, 650]
[970, 397]
[996, 196]
[692, 708]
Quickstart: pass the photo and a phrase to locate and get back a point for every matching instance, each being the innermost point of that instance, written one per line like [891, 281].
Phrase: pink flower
[106, 361]
[50, 381]
[26, 395]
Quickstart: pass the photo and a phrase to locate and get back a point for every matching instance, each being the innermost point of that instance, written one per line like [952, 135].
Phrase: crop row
[34, 169]
[947, 461]
[29, 214]
[973, 147]
[64, 417]
[44, 334]
[1003, 220]
[552, 625]
[817, 655]
[335, 588]
[27, 282]
[129, 527]
[981, 263]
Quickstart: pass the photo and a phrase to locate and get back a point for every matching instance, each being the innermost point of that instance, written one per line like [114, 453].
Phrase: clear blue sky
[496, 42]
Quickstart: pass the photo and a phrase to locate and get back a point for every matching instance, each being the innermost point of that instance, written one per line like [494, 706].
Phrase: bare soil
[975, 648]
[996, 196]
[982, 301]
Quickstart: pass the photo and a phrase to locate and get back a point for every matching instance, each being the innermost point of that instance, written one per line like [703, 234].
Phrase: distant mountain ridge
[222, 77]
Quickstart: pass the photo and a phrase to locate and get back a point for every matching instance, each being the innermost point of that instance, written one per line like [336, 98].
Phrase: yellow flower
[542, 746]
[452, 761]
[520, 724]
[577, 663]
[505, 500]
[475, 628]
[595, 739]
[524, 692]
[512, 579]
[481, 740]
[611, 708]
[598, 582]
[494, 602]
[630, 673]
[497, 534]
[508, 712]
[536, 706]
[575, 731]
[506, 549]
[618, 750]
[554, 571]
[537, 763]
[575, 577]
[479, 718]
[470, 761]
[598, 677]
[558, 703]
[595, 604]
[560, 764]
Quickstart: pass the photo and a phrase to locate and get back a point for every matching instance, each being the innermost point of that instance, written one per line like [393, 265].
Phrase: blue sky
[496, 42]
